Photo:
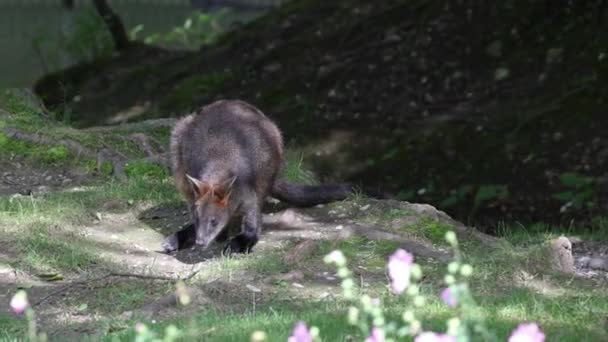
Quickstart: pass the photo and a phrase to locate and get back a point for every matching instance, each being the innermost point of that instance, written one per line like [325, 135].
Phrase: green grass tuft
[294, 170]
[146, 170]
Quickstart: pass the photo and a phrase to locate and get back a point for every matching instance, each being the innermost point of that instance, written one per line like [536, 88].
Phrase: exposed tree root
[117, 160]
[152, 123]
[143, 142]
[35, 138]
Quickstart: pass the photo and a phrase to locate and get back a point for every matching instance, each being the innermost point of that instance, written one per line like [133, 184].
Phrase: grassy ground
[43, 234]
[83, 232]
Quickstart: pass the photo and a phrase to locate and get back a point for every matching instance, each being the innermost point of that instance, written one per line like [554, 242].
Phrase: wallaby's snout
[202, 239]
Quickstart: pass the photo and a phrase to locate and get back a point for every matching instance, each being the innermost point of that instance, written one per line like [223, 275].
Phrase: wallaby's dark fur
[226, 160]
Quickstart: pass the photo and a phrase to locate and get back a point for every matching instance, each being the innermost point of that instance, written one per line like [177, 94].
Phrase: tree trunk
[114, 24]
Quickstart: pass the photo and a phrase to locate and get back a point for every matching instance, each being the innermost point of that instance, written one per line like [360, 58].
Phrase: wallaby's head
[211, 208]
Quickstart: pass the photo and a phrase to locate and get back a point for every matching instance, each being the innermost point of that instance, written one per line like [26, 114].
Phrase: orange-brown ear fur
[224, 201]
[200, 188]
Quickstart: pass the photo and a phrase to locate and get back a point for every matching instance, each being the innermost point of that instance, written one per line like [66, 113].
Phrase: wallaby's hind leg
[181, 239]
[250, 232]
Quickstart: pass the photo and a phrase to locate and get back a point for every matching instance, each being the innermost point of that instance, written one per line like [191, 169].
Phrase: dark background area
[492, 111]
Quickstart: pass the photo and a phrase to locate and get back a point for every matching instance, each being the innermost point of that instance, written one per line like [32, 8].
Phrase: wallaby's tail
[309, 195]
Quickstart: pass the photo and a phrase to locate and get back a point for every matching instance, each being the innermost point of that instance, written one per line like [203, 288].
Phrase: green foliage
[199, 29]
[485, 193]
[581, 191]
[294, 171]
[489, 192]
[194, 87]
[86, 39]
[396, 213]
[405, 195]
[141, 169]
[56, 154]
[456, 196]
[11, 327]
[432, 230]
[369, 315]
[106, 168]
[21, 107]
[90, 38]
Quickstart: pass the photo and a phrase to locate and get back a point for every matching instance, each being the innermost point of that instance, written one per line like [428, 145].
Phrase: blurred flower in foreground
[377, 335]
[336, 257]
[449, 297]
[300, 334]
[527, 332]
[19, 302]
[399, 270]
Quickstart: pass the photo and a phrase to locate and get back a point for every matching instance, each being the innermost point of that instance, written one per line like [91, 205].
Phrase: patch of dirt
[19, 177]
[591, 259]
[131, 240]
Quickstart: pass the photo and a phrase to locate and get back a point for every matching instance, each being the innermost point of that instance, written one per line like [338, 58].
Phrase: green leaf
[564, 196]
[501, 73]
[450, 201]
[50, 276]
[575, 180]
[490, 192]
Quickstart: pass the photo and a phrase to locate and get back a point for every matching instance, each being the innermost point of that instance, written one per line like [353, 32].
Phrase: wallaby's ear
[225, 190]
[199, 188]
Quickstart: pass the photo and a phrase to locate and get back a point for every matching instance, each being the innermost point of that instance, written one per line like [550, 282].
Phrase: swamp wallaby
[226, 159]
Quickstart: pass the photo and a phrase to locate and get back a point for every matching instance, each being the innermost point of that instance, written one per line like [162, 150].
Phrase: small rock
[598, 263]
[295, 275]
[274, 67]
[583, 262]
[561, 255]
[289, 217]
[127, 315]
[7, 273]
[111, 205]
[494, 49]
[253, 288]
[300, 252]
[392, 37]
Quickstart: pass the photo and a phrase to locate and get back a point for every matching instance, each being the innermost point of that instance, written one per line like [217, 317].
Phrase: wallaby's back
[226, 139]
[226, 160]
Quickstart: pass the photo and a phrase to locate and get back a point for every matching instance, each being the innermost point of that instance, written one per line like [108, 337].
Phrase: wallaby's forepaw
[241, 243]
[171, 243]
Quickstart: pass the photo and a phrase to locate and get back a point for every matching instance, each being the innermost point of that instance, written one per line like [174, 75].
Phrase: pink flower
[399, 269]
[527, 332]
[377, 335]
[449, 297]
[19, 302]
[300, 334]
[433, 337]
